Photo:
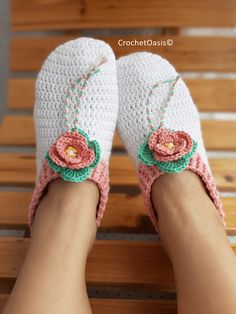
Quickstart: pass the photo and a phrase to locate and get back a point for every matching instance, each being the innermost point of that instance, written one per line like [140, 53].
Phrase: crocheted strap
[99, 175]
[148, 174]
[71, 117]
[164, 106]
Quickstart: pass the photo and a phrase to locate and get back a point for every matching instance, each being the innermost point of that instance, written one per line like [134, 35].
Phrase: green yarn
[52, 165]
[96, 148]
[81, 132]
[77, 175]
[145, 155]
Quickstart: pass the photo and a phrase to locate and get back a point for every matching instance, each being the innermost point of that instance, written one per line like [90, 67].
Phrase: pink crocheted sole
[148, 175]
[99, 175]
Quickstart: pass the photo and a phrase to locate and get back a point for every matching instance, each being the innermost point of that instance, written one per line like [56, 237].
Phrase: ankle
[183, 193]
[71, 207]
[70, 198]
[184, 209]
[60, 190]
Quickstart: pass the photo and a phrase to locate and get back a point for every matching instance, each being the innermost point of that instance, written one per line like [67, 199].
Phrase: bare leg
[52, 279]
[195, 240]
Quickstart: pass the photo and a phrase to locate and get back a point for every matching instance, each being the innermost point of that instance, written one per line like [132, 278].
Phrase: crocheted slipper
[75, 117]
[159, 124]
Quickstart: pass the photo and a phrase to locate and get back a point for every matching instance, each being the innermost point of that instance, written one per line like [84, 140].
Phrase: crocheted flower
[169, 150]
[73, 155]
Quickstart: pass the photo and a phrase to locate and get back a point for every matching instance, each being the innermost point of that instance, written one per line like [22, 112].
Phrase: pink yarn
[99, 175]
[180, 143]
[147, 176]
[72, 140]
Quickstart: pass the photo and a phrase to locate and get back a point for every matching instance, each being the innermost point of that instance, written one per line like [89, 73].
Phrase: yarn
[159, 124]
[94, 111]
[78, 167]
[75, 115]
[170, 150]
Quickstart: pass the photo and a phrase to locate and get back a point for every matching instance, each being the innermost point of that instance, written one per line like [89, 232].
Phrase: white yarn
[99, 103]
[137, 74]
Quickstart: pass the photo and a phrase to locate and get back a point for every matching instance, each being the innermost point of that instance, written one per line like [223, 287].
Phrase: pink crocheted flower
[167, 145]
[71, 151]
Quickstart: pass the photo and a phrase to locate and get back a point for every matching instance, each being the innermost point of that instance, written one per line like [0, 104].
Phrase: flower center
[71, 151]
[170, 146]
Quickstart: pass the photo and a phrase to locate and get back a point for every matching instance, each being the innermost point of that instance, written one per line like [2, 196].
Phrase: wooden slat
[186, 54]
[208, 94]
[140, 263]
[219, 135]
[128, 262]
[133, 306]
[230, 214]
[119, 306]
[19, 130]
[18, 169]
[124, 212]
[14, 209]
[213, 95]
[21, 93]
[31, 15]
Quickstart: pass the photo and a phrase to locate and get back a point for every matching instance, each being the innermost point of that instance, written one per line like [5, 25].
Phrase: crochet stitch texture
[74, 163]
[137, 74]
[158, 145]
[98, 105]
[75, 116]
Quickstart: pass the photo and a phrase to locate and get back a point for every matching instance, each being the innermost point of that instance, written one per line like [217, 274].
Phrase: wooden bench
[134, 265]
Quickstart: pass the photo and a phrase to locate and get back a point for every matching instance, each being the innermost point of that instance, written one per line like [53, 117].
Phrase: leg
[75, 115]
[196, 242]
[52, 279]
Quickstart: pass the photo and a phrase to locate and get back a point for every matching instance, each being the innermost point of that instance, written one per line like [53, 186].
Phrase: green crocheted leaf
[173, 166]
[190, 154]
[52, 164]
[75, 175]
[95, 146]
[145, 155]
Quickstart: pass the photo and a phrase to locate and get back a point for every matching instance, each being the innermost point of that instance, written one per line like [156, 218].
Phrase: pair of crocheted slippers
[77, 110]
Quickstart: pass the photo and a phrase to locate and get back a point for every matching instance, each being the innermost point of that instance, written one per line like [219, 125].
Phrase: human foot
[75, 116]
[159, 124]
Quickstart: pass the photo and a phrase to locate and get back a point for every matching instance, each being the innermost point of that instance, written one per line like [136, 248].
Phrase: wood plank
[230, 214]
[219, 135]
[140, 263]
[100, 306]
[119, 306]
[209, 94]
[19, 169]
[213, 95]
[19, 130]
[14, 209]
[21, 93]
[124, 212]
[35, 15]
[187, 53]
